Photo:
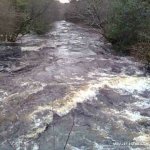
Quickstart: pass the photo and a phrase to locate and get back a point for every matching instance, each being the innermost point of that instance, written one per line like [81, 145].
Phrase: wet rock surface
[9, 51]
[66, 82]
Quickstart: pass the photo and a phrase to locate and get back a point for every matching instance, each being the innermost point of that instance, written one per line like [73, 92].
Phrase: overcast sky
[64, 1]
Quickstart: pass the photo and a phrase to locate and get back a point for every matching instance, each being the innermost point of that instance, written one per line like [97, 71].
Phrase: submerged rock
[130, 71]
[116, 69]
[9, 51]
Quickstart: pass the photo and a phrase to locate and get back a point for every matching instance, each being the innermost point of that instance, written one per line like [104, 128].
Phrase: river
[69, 92]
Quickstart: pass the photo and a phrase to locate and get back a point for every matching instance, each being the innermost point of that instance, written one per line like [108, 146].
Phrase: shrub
[141, 51]
[129, 23]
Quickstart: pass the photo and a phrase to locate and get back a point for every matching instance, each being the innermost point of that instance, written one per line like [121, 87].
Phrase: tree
[129, 22]
[24, 16]
[7, 20]
[93, 12]
[42, 13]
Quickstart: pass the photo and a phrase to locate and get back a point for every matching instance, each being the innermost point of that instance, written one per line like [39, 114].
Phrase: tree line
[125, 23]
[23, 16]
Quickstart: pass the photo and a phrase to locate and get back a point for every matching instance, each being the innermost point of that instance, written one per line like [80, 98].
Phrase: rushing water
[69, 76]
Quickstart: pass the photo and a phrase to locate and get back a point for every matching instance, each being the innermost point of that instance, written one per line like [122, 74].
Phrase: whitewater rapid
[71, 77]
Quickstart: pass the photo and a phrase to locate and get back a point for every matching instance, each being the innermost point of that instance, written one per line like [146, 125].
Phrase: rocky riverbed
[67, 91]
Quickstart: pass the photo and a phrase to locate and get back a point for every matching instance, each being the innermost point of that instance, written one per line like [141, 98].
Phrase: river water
[69, 91]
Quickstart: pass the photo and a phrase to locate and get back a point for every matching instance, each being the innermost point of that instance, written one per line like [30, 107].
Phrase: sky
[64, 1]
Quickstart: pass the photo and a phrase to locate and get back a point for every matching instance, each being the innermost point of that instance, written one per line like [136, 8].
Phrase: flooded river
[69, 92]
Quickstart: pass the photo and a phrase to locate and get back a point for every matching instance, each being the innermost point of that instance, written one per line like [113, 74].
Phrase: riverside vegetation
[125, 23]
[23, 16]
[61, 87]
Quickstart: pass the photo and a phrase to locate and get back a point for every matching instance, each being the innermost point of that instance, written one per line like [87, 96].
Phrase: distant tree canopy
[89, 11]
[22, 16]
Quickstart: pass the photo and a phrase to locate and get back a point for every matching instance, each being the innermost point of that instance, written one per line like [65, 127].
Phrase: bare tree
[93, 12]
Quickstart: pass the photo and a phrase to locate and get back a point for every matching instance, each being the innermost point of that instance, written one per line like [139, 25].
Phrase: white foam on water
[33, 48]
[20, 144]
[70, 147]
[60, 107]
[136, 148]
[64, 106]
[38, 121]
[128, 61]
[89, 92]
[98, 146]
[79, 78]
[35, 147]
[142, 102]
[104, 72]
[127, 114]
[101, 79]
[123, 85]
[143, 139]
[133, 116]
[30, 48]
[131, 85]
[3, 95]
